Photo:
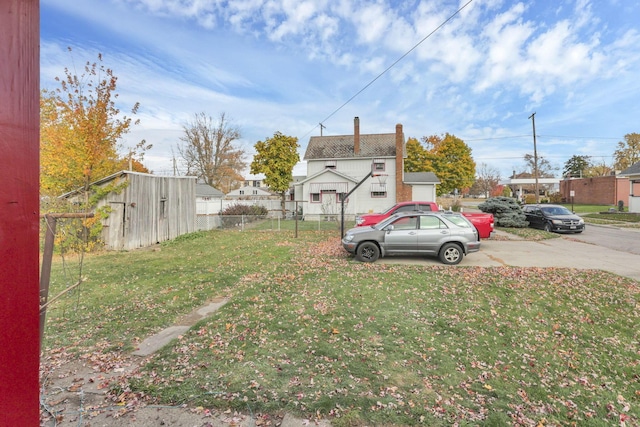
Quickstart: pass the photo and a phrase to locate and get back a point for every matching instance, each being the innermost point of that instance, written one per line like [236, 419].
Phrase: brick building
[600, 190]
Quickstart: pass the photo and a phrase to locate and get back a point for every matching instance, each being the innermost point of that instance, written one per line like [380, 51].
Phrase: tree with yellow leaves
[81, 129]
[447, 156]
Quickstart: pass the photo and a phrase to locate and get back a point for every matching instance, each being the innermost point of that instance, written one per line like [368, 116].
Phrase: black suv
[553, 218]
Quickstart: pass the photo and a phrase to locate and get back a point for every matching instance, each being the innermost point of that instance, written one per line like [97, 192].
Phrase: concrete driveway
[559, 252]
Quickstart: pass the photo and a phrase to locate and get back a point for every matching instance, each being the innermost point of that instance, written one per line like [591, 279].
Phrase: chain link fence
[265, 223]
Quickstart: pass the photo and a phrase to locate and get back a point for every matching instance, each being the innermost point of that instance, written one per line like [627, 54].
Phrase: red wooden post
[19, 216]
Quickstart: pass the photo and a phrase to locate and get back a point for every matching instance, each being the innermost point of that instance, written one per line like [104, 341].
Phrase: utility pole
[321, 127]
[535, 156]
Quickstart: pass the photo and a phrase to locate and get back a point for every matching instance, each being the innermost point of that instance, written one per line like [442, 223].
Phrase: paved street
[565, 251]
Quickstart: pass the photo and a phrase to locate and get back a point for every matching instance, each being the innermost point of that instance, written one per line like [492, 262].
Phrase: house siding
[361, 200]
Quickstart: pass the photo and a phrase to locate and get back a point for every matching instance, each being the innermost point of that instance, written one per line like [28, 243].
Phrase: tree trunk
[282, 205]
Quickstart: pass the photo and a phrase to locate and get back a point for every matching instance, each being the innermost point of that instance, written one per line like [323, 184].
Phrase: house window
[256, 183]
[241, 192]
[330, 164]
[378, 190]
[255, 192]
[378, 165]
[315, 197]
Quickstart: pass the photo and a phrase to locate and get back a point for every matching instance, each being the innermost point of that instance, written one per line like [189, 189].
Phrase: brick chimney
[356, 136]
[403, 191]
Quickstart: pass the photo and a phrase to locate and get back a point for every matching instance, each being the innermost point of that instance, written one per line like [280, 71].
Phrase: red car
[482, 221]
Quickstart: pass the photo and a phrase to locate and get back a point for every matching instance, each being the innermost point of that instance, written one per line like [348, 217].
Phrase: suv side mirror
[388, 228]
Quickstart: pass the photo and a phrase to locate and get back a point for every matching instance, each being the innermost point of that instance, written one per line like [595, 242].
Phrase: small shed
[145, 209]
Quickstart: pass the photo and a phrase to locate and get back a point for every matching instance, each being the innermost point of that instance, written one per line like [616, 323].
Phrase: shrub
[506, 211]
[555, 198]
[454, 206]
[238, 209]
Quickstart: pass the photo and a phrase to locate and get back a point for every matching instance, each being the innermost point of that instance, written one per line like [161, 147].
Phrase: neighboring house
[205, 192]
[254, 181]
[208, 199]
[145, 209]
[336, 164]
[633, 174]
[251, 193]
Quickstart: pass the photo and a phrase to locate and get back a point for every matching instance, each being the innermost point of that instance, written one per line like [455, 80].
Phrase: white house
[337, 164]
[251, 193]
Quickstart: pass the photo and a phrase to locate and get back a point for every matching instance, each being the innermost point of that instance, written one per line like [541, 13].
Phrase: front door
[403, 237]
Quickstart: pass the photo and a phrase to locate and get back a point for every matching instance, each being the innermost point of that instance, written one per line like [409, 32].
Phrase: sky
[477, 69]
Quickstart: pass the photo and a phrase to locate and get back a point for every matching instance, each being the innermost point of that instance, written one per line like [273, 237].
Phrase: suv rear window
[459, 220]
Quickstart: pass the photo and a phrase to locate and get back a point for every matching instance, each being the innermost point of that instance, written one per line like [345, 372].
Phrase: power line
[578, 137]
[389, 67]
[539, 136]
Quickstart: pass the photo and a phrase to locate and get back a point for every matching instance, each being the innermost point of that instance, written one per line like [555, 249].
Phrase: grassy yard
[310, 331]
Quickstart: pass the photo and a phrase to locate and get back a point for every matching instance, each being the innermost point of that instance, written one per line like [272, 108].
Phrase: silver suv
[447, 235]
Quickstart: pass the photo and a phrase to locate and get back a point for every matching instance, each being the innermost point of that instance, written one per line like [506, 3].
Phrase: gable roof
[634, 169]
[341, 146]
[327, 172]
[205, 190]
[420, 178]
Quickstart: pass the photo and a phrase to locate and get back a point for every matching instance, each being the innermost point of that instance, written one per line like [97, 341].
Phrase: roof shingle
[341, 146]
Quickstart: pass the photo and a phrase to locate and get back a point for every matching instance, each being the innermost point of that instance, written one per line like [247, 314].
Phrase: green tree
[628, 152]
[209, 151]
[81, 129]
[275, 158]
[576, 166]
[450, 159]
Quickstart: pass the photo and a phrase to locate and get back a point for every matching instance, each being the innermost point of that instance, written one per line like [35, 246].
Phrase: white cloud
[287, 64]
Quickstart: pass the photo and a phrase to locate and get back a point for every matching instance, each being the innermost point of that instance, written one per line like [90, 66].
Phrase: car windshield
[388, 210]
[382, 224]
[556, 210]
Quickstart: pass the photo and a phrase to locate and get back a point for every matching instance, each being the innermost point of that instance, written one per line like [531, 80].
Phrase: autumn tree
[576, 166]
[209, 150]
[81, 130]
[417, 157]
[628, 151]
[448, 157]
[275, 158]
[598, 169]
[487, 180]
